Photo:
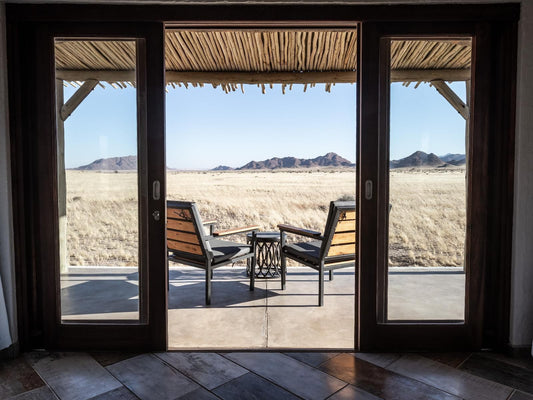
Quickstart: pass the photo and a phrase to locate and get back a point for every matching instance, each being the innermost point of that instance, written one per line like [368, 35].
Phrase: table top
[266, 236]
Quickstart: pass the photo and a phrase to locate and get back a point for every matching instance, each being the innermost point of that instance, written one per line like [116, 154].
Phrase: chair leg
[283, 271]
[321, 285]
[208, 286]
[330, 274]
[252, 273]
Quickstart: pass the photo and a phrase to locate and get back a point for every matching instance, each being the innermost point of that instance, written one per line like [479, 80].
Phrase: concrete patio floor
[267, 317]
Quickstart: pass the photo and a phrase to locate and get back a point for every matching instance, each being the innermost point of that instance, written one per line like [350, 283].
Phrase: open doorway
[261, 131]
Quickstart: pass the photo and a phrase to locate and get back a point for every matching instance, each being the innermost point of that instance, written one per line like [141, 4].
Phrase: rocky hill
[126, 163]
[454, 159]
[419, 159]
[328, 160]
[222, 168]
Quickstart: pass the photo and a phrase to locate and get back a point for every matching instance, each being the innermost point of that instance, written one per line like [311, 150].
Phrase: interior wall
[521, 333]
[7, 273]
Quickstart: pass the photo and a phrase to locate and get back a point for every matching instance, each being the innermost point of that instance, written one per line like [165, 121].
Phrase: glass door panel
[98, 180]
[428, 132]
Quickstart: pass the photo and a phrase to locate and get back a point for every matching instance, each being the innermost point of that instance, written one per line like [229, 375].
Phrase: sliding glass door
[106, 179]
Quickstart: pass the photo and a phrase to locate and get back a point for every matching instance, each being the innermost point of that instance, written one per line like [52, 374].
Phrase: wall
[6, 227]
[521, 334]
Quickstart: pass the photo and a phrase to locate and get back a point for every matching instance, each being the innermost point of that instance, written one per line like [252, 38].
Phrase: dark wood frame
[37, 137]
[495, 30]
[490, 166]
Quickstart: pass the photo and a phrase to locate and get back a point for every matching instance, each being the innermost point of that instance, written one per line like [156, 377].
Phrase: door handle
[156, 190]
[156, 215]
[368, 190]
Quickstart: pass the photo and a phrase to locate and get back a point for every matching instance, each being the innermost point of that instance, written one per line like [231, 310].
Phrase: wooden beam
[217, 78]
[76, 99]
[61, 180]
[452, 98]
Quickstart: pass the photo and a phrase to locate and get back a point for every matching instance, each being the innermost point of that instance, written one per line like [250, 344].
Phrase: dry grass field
[427, 218]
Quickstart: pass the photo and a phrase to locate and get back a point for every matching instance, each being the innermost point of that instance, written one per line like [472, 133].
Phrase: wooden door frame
[492, 20]
[490, 168]
[35, 146]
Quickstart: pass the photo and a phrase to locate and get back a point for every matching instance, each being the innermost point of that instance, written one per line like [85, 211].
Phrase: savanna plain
[427, 220]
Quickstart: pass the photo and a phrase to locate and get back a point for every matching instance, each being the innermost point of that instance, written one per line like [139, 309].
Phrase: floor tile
[453, 360]
[350, 392]
[521, 396]
[73, 376]
[380, 359]
[208, 369]
[17, 376]
[42, 393]
[502, 372]
[379, 381]
[312, 359]
[121, 393]
[252, 387]
[293, 375]
[150, 378]
[449, 379]
[106, 358]
[199, 394]
[518, 361]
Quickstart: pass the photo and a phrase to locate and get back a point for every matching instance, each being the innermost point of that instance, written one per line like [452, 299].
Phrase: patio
[267, 317]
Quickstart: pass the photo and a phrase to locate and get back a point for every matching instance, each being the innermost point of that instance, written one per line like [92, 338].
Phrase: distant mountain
[126, 163]
[328, 160]
[222, 168]
[454, 159]
[418, 159]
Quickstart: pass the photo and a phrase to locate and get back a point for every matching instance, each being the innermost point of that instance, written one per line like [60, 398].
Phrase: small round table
[267, 253]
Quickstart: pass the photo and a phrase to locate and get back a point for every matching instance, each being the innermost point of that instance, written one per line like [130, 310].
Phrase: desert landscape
[427, 220]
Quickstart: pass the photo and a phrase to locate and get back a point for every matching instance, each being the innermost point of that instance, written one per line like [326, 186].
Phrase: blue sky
[207, 127]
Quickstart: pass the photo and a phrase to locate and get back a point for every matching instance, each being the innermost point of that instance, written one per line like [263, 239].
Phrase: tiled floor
[267, 317]
[248, 375]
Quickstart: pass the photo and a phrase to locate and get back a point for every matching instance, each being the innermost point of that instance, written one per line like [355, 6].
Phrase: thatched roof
[232, 57]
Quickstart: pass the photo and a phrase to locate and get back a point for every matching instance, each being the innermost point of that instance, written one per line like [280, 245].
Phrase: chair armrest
[210, 222]
[300, 231]
[233, 231]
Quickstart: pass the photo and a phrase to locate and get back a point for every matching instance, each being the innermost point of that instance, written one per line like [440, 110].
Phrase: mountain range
[424, 160]
[417, 159]
[111, 164]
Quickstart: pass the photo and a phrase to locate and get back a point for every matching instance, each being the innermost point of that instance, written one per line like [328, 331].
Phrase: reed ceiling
[230, 58]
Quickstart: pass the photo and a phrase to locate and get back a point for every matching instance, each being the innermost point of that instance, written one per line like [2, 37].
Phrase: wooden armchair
[336, 248]
[188, 244]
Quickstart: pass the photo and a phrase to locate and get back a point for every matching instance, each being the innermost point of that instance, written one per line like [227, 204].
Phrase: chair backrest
[339, 236]
[185, 233]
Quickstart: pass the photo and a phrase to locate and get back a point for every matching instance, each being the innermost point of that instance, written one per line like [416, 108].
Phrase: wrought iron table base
[267, 253]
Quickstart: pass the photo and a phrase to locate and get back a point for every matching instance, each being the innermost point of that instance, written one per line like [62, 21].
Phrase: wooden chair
[332, 250]
[188, 244]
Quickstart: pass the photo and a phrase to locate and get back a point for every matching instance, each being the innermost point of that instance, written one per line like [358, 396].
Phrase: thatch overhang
[231, 58]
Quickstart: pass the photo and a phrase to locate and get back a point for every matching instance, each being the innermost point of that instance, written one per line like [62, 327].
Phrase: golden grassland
[427, 220]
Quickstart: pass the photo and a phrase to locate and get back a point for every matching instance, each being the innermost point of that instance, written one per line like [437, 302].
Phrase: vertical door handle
[156, 190]
[368, 190]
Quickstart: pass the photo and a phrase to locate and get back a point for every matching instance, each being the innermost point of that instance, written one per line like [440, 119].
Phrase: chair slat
[345, 226]
[179, 225]
[179, 213]
[182, 236]
[343, 238]
[346, 215]
[341, 249]
[185, 247]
